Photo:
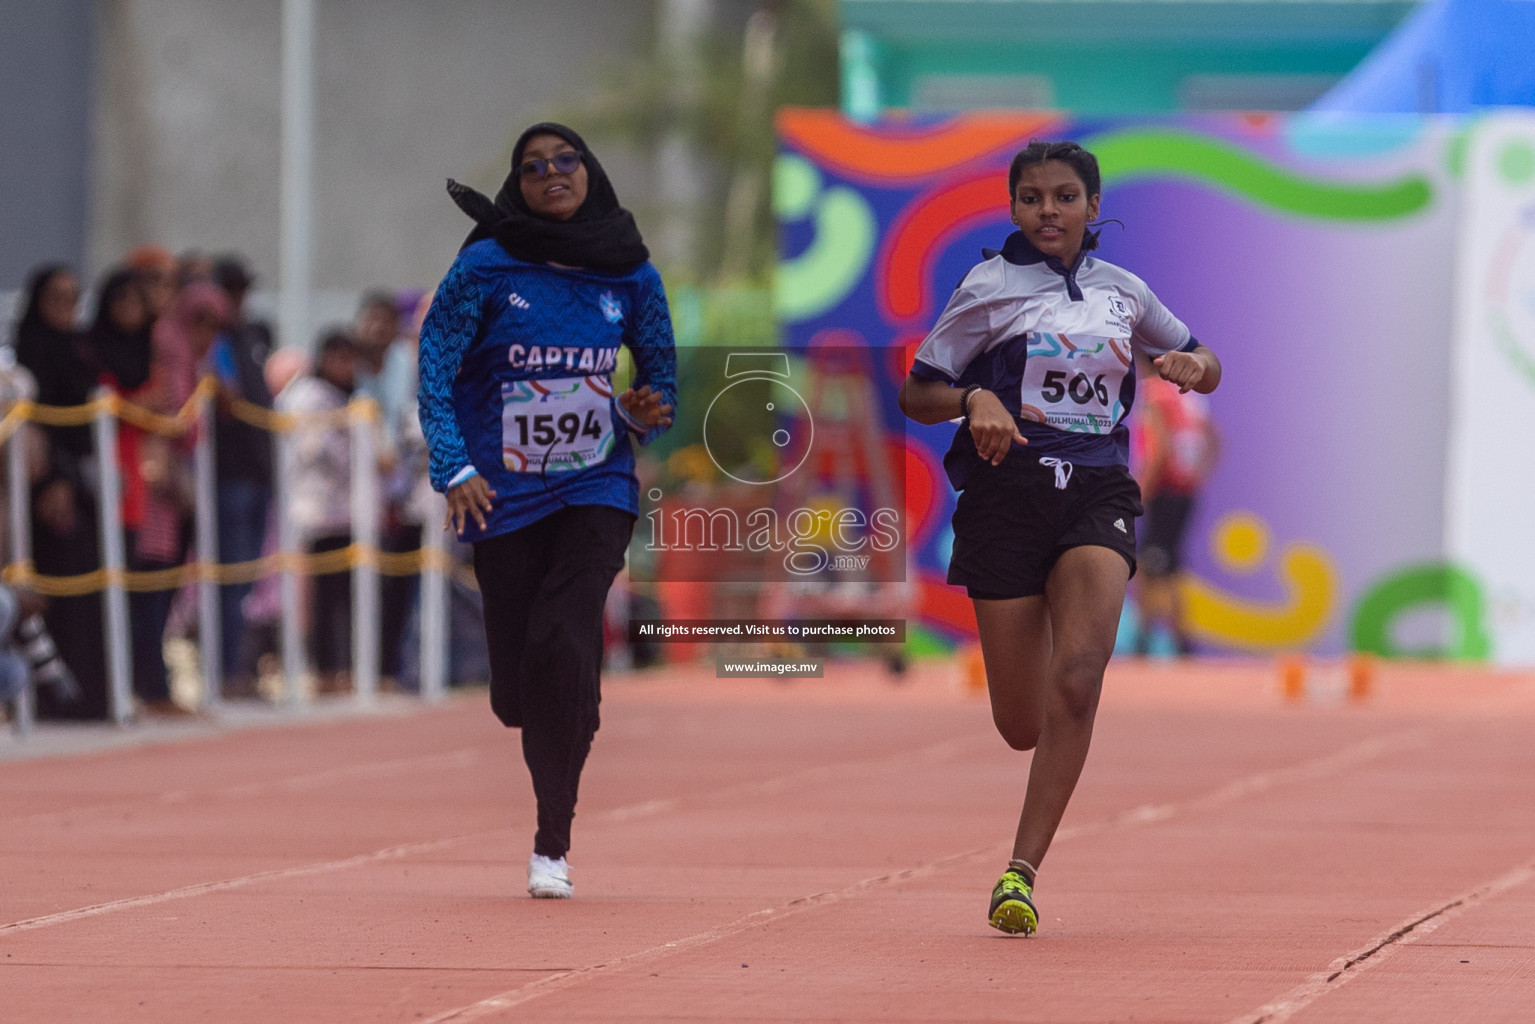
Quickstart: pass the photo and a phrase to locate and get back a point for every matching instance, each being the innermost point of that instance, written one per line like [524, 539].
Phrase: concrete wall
[45, 61]
[408, 93]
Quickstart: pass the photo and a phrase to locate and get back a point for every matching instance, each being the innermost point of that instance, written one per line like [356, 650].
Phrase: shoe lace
[1012, 881]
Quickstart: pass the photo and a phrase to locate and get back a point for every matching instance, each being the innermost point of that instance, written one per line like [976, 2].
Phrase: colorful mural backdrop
[1316, 256]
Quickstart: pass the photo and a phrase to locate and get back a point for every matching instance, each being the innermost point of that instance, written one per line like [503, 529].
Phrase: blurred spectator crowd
[153, 328]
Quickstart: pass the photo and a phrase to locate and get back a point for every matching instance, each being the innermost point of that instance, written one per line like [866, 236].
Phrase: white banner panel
[1490, 494]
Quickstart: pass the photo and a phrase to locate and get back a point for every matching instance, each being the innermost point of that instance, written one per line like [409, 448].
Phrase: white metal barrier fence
[113, 580]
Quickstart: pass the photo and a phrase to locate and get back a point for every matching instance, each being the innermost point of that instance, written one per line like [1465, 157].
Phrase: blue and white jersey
[516, 382]
[1055, 344]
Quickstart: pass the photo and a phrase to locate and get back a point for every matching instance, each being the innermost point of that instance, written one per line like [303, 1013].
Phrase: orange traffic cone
[1361, 676]
[973, 666]
[1292, 677]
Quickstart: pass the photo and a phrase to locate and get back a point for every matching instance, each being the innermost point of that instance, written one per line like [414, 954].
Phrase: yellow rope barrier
[240, 572]
[285, 422]
[23, 573]
[173, 425]
[260, 416]
[14, 418]
[402, 563]
[179, 422]
[63, 415]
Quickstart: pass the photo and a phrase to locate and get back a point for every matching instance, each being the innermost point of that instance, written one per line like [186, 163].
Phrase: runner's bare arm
[991, 425]
[930, 401]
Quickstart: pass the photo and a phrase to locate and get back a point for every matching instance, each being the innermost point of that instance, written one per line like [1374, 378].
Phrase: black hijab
[35, 340]
[60, 361]
[123, 353]
[601, 235]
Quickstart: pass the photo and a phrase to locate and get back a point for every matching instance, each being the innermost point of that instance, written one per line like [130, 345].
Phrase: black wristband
[964, 399]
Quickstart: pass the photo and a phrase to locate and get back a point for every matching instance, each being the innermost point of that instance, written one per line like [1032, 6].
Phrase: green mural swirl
[1440, 585]
[845, 237]
[1175, 154]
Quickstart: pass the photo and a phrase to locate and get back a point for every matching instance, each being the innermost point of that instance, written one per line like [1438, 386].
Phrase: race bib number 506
[556, 426]
[1072, 383]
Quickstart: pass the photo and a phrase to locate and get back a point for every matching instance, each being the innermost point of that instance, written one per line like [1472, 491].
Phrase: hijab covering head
[32, 312]
[601, 235]
[62, 364]
[123, 353]
[55, 357]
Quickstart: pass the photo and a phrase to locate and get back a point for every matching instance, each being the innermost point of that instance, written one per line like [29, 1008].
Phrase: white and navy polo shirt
[1055, 345]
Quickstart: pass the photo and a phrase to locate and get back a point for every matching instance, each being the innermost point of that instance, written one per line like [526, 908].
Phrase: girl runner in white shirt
[1034, 351]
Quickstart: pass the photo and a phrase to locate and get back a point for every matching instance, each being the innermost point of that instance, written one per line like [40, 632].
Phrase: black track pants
[544, 588]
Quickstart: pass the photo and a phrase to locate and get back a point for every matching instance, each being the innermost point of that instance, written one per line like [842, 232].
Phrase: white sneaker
[549, 879]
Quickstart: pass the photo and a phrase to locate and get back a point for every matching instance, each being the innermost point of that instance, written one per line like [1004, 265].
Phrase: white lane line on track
[1306, 771]
[394, 768]
[554, 982]
[624, 813]
[465, 758]
[1350, 965]
[205, 888]
[933, 753]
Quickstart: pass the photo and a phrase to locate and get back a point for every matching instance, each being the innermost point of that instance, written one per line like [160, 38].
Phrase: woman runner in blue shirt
[532, 448]
[1034, 351]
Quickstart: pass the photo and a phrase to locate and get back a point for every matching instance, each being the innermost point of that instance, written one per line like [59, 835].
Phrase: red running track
[748, 851]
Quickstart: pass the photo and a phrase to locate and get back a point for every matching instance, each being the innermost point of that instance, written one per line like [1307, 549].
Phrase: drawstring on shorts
[1062, 470]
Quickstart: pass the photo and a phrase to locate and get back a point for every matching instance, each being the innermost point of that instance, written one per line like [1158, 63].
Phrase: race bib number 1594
[556, 426]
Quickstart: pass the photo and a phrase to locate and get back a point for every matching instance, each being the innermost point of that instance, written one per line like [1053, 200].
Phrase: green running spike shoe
[1012, 905]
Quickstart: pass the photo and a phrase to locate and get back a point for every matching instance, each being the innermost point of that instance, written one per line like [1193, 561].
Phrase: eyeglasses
[564, 163]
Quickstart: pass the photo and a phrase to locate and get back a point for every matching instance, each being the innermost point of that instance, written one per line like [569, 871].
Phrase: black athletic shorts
[1167, 519]
[1012, 522]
